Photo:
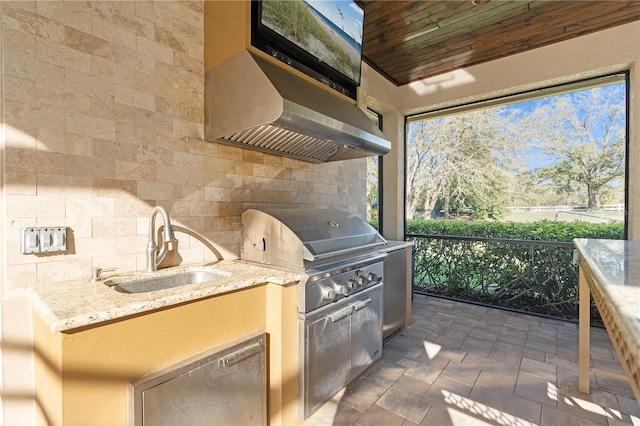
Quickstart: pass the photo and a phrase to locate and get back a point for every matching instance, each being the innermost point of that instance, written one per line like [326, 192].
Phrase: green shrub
[544, 230]
[510, 273]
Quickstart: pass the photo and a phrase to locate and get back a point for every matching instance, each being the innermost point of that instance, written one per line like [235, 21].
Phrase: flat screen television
[322, 38]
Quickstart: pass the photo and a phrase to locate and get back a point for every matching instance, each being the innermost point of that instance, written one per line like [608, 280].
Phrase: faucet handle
[172, 244]
[96, 273]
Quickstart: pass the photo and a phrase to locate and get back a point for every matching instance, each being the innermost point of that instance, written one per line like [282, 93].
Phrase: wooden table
[610, 273]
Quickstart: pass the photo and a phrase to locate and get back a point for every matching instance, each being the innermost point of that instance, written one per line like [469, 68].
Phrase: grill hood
[253, 103]
[305, 238]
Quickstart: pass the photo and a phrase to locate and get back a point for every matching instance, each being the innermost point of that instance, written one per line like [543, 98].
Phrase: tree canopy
[567, 148]
[462, 160]
[583, 133]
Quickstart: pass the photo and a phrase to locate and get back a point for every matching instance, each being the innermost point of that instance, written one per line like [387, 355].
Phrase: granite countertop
[615, 268]
[73, 304]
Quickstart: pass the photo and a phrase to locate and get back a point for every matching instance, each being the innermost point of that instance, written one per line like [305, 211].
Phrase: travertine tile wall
[103, 115]
[103, 108]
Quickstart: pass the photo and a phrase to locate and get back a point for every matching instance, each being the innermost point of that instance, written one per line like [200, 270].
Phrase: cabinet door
[396, 285]
[328, 353]
[366, 331]
[225, 387]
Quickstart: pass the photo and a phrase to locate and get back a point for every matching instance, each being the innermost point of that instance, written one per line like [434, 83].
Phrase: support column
[393, 163]
[584, 326]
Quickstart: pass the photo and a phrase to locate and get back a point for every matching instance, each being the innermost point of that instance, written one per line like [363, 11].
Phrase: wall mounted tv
[322, 38]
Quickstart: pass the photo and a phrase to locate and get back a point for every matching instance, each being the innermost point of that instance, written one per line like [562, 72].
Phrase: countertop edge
[76, 315]
[614, 292]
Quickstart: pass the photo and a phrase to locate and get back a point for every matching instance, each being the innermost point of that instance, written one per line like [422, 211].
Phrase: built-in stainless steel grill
[334, 248]
[340, 303]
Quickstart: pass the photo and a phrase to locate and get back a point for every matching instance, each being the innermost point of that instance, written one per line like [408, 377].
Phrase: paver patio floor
[463, 364]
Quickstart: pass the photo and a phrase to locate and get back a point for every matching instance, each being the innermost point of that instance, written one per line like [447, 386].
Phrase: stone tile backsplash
[103, 114]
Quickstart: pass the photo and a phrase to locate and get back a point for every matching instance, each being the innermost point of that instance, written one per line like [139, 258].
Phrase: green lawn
[596, 217]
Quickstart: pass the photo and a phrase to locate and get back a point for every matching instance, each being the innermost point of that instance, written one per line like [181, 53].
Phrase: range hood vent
[253, 103]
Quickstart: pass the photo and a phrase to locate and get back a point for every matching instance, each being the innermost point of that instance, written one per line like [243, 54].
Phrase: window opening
[552, 156]
[374, 181]
[497, 190]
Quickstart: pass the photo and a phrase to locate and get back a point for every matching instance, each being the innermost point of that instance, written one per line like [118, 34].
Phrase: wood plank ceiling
[411, 40]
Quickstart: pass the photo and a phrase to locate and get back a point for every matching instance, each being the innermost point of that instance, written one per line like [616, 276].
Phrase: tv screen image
[330, 30]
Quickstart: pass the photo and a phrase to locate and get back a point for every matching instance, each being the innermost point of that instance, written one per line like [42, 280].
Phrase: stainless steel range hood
[253, 103]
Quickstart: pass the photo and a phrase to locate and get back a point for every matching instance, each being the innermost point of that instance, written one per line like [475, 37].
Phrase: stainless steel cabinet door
[225, 386]
[328, 355]
[396, 285]
[366, 331]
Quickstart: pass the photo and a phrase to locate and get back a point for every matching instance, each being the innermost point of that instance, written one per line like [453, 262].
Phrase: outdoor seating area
[465, 364]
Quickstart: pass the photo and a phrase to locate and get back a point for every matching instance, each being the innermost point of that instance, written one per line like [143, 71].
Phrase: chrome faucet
[155, 252]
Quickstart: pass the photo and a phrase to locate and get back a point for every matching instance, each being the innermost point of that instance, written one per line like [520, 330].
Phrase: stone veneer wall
[103, 119]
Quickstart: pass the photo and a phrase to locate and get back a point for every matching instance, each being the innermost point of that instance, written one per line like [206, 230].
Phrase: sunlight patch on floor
[459, 418]
[472, 412]
[431, 349]
[552, 391]
[591, 407]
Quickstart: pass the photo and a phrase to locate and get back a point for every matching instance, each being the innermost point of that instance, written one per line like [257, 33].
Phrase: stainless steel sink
[162, 282]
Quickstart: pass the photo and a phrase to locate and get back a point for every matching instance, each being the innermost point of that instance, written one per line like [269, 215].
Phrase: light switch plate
[59, 239]
[30, 241]
[43, 240]
[46, 238]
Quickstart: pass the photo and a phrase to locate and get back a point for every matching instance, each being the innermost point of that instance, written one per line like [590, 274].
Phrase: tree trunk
[411, 208]
[446, 206]
[594, 199]
[428, 205]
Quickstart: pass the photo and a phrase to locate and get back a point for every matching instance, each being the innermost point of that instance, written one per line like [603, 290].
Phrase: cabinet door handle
[359, 305]
[337, 316]
[239, 355]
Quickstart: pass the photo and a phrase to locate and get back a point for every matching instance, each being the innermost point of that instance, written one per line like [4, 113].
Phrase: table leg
[584, 326]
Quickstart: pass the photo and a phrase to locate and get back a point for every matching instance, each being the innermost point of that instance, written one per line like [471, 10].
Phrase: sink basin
[162, 282]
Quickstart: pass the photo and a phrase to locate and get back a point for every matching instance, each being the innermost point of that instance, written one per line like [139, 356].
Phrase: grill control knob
[360, 281]
[352, 284]
[371, 277]
[328, 294]
[342, 290]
